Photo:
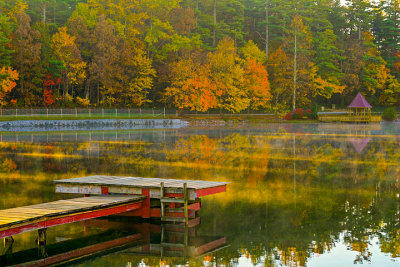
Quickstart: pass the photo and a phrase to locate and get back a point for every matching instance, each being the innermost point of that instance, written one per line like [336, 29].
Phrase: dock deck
[100, 184]
[23, 219]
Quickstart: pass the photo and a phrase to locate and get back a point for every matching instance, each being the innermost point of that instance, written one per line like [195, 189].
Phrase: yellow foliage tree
[64, 47]
[8, 76]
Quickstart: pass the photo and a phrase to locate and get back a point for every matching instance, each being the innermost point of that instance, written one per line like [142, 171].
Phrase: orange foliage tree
[191, 86]
[224, 81]
[257, 84]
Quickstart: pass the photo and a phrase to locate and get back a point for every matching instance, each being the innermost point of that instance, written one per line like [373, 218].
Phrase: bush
[312, 113]
[288, 116]
[298, 114]
[389, 114]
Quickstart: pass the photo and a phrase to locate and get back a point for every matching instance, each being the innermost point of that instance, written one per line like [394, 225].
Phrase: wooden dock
[178, 199]
[100, 184]
[41, 216]
[172, 200]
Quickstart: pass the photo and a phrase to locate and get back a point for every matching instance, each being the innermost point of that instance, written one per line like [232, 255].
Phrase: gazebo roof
[359, 102]
[359, 144]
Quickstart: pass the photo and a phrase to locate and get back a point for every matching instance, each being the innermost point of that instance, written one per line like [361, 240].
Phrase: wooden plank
[43, 212]
[173, 245]
[173, 219]
[172, 200]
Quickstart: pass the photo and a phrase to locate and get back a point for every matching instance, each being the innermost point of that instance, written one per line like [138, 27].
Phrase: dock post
[162, 203]
[8, 244]
[185, 196]
[162, 240]
[185, 242]
[41, 239]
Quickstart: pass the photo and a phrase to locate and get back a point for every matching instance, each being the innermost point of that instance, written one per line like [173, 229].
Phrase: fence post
[164, 112]
[47, 112]
[61, 112]
[16, 112]
[116, 113]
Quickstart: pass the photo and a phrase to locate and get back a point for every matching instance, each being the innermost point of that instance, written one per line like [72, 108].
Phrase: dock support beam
[41, 242]
[8, 244]
[185, 196]
[41, 239]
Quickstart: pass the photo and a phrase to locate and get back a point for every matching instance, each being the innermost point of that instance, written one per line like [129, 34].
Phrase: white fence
[86, 112]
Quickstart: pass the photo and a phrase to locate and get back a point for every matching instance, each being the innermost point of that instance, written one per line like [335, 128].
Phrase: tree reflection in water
[296, 190]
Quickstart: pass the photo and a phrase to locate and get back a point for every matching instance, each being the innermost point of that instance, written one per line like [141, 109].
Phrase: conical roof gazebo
[359, 109]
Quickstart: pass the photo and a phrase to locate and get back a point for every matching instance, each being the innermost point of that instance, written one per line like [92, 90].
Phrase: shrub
[298, 114]
[312, 113]
[288, 116]
[389, 114]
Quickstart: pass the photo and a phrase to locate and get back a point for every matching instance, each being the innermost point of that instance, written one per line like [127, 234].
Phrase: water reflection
[298, 193]
[135, 241]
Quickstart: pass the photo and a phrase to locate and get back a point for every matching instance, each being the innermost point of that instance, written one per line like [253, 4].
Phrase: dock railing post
[162, 203]
[185, 196]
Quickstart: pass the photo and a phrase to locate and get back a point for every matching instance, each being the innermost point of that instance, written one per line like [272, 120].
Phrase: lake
[299, 194]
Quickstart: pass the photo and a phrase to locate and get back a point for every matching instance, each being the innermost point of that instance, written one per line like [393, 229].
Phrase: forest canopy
[231, 55]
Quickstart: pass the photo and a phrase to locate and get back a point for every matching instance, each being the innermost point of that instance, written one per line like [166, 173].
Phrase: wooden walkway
[345, 118]
[23, 219]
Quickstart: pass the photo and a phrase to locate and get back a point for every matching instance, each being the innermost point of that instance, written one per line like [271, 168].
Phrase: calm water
[299, 195]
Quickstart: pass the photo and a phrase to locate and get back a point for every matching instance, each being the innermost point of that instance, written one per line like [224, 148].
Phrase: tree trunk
[197, 12]
[215, 22]
[44, 13]
[267, 30]
[86, 93]
[295, 68]
[98, 93]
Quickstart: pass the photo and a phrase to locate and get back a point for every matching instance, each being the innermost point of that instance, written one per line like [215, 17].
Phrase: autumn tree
[133, 78]
[8, 78]
[105, 57]
[256, 81]
[26, 58]
[224, 81]
[191, 86]
[65, 49]
[374, 73]
[280, 73]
